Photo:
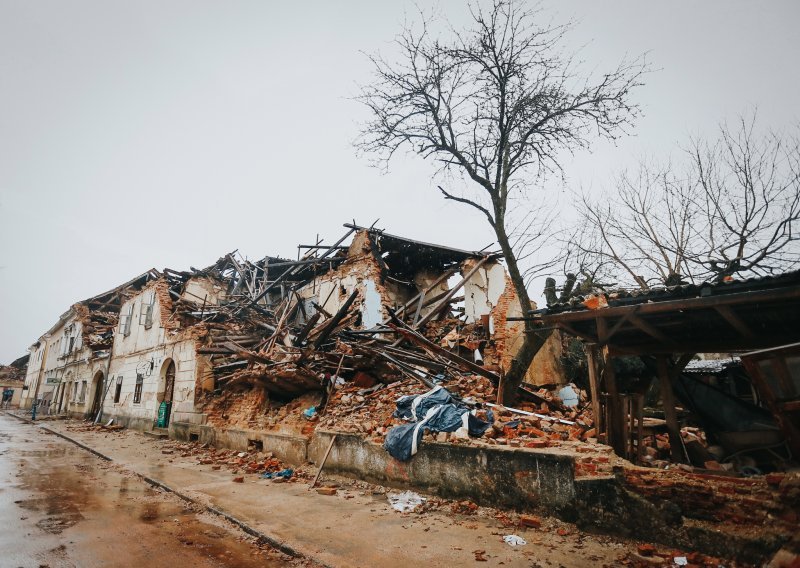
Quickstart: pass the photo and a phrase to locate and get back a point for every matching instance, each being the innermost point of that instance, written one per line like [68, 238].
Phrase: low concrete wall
[519, 478]
[286, 447]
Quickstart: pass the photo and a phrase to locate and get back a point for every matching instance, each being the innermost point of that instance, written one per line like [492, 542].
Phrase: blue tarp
[435, 410]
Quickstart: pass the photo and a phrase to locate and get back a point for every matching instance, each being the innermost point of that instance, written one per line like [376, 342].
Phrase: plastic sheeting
[436, 410]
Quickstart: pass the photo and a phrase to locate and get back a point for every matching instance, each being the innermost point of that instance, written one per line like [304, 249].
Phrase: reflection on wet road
[63, 507]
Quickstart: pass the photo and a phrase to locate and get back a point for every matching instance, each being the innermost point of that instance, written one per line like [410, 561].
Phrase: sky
[152, 134]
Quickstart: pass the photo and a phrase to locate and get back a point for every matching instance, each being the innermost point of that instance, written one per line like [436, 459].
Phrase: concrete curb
[261, 536]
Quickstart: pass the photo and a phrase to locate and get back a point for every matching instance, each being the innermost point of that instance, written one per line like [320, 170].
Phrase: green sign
[163, 414]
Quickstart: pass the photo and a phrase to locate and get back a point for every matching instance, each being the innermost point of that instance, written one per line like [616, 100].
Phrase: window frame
[137, 389]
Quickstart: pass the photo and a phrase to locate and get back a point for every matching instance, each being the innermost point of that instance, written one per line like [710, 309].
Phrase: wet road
[60, 506]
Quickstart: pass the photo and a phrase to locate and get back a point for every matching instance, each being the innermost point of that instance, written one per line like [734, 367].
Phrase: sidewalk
[356, 526]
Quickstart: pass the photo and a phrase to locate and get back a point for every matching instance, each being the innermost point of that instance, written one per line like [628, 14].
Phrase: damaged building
[223, 345]
[69, 363]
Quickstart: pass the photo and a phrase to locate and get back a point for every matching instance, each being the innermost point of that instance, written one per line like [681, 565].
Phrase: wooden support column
[593, 359]
[668, 399]
[616, 418]
[616, 424]
[639, 427]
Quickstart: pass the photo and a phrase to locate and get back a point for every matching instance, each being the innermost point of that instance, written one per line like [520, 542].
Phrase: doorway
[165, 409]
[98, 385]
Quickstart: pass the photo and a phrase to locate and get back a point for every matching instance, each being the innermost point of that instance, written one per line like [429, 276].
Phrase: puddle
[67, 508]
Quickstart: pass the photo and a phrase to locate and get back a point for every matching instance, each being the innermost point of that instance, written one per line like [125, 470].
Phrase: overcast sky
[151, 134]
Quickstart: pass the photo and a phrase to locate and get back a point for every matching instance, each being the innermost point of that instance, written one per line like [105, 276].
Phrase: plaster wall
[146, 352]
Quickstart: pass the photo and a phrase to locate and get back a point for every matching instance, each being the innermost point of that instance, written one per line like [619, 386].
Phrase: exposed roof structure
[722, 317]
[407, 256]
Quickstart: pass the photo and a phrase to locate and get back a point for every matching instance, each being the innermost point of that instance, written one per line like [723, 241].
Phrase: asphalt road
[60, 506]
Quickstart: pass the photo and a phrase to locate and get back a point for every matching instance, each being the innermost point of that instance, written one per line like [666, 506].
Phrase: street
[60, 506]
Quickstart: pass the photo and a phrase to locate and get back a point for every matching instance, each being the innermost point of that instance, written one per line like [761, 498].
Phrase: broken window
[82, 398]
[118, 390]
[137, 391]
[75, 391]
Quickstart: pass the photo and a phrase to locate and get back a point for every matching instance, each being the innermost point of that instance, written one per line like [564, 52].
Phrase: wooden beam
[667, 398]
[620, 322]
[572, 331]
[446, 300]
[649, 329]
[593, 360]
[428, 345]
[735, 321]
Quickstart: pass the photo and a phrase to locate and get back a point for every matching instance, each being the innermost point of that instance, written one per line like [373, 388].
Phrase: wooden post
[667, 398]
[616, 424]
[639, 427]
[594, 386]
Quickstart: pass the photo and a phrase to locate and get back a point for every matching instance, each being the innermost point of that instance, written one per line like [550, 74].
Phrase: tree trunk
[532, 341]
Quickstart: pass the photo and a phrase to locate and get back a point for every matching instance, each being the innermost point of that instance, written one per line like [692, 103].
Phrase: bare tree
[732, 208]
[496, 104]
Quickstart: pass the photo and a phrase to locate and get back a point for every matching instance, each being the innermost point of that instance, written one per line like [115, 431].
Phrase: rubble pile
[251, 462]
[772, 500]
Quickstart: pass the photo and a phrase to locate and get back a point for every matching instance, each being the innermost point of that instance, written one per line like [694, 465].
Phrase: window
[125, 321]
[137, 391]
[84, 384]
[118, 390]
[148, 305]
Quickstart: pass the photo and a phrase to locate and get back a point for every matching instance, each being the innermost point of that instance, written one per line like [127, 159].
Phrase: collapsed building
[226, 345]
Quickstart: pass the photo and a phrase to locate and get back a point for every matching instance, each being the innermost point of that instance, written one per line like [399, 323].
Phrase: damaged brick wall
[772, 500]
[508, 335]
[361, 270]
[242, 409]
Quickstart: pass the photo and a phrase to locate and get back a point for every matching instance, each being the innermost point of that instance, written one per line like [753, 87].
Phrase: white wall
[147, 352]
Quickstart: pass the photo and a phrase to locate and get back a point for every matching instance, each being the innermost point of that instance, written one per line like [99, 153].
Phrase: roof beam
[649, 329]
[735, 321]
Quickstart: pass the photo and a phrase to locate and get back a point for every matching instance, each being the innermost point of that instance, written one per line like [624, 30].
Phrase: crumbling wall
[238, 409]
[203, 290]
[490, 292]
[361, 271]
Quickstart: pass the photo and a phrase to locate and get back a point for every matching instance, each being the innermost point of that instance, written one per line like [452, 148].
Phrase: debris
[406, 501]
[239, 479]
[282, 474]
[514, 540]
[530, 521]
[326, 490]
